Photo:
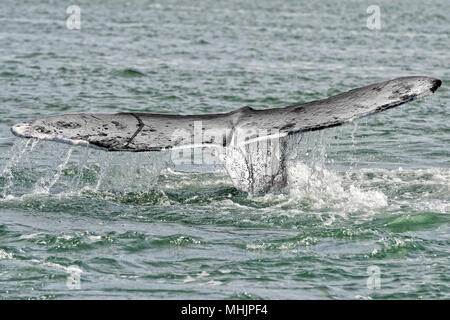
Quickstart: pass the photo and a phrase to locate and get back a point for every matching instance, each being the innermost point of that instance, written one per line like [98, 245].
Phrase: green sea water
[366, 213]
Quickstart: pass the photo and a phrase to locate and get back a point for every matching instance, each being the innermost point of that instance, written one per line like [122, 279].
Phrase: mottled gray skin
[156, 132]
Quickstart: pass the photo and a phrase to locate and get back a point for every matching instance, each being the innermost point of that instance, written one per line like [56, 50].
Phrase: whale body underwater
[250, 143]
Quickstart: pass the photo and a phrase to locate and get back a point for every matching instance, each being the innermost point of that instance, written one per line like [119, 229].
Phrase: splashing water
[18, 150]
[55, 169]
[45, 184]
[310, 180]
[51, 168]
[329, 190]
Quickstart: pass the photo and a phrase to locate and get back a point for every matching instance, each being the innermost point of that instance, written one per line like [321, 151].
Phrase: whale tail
[250, 143]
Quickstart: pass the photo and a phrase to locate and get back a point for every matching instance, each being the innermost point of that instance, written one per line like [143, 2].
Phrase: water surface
[373, 194]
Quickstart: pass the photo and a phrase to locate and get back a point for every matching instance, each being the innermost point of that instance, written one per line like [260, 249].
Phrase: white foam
[29, 236]
[5, 255]
[329, 189]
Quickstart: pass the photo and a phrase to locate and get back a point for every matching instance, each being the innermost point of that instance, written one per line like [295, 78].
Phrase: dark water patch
[30, 55]
[57, 107]
[416, 222]
[62, 243]
[202, 42]
[137, 242]
[165, 276]
[204, 195]
[151, 197]
[104, 264]
[129, 73]
[13, 75]
[142, 91]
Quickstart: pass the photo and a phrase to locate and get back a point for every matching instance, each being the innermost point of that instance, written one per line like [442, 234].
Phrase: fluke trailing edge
[154, 132]
[228, 131]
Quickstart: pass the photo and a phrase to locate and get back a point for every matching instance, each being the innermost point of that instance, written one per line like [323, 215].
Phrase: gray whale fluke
[243, 130]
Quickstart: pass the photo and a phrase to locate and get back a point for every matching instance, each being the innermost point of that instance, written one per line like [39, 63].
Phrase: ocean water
[366, 213]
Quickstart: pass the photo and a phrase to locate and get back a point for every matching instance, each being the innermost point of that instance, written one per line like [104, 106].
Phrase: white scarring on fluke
[249, 142]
